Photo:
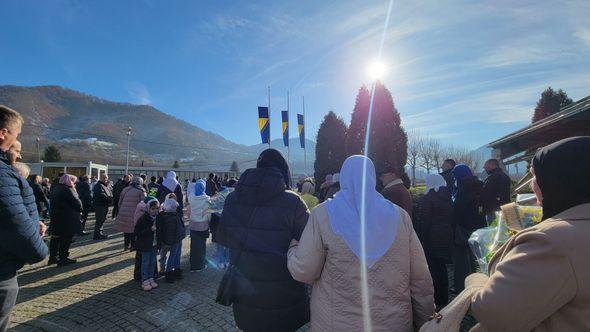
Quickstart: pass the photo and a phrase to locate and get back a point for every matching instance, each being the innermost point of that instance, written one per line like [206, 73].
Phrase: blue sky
[466, 72]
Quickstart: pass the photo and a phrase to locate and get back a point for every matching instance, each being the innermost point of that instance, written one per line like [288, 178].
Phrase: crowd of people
[355, 252]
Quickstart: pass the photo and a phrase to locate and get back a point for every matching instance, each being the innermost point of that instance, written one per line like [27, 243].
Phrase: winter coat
[144, 236]
[170, 229]
[102, 195]
[65, 211]
[399, 195]
[449, 179]
[211, 187]
[140, 209]
[199, 220]
[118, 189]
[20, 242]
[435, 223]
[496, 191]
[332, 190]
[83, 189]
[539, 279]
[399, 284]
[467, 216]
[259, 220]
[130, 197]
[40, 197]
[152, 189]
[163, 191]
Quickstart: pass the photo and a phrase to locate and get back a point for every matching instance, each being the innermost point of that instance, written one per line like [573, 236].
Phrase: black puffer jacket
[65, 211]
[170, 228]
[144, 236]
[268, 299]
[435, 219]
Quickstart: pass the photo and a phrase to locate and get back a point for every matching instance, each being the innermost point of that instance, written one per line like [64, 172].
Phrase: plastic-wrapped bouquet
[218, 200]
[514, 217]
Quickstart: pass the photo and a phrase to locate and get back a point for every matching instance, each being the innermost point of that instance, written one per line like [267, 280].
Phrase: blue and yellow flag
[264, 124]
[285, 115]
[301, 127]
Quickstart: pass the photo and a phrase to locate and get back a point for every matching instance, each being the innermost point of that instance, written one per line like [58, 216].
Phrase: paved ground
[98, 293]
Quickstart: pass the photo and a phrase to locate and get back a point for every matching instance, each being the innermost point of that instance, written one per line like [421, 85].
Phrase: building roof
[572, 120]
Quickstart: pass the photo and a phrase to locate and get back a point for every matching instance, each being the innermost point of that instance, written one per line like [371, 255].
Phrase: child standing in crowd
[199, 225]
[145, 230]
[171, 232]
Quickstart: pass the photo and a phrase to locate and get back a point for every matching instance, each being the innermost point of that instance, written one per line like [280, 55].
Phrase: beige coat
[400, 286]
[540, 279]
[130, 197]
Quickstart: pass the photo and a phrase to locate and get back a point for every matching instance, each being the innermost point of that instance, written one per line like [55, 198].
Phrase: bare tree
[427, 154]
[415, 144]
[436, 151]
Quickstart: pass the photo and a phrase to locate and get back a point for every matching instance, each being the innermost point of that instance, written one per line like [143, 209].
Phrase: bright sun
[377, 70]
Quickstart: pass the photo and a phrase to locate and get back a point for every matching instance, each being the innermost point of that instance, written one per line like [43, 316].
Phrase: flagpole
[288, 143]
[304, 143]
[269, 137]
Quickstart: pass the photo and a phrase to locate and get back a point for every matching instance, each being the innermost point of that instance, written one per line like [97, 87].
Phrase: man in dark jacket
[395, 191]
[259, 220]
[211, 187]
[102, 198]
[21, 231]
[83, 189]
[496, 189]
[40, 198]
[117, 190]
[447, 173]
[152, 187]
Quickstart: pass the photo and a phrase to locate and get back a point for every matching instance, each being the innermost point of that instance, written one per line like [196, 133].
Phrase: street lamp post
[38, 150]
[128, 140]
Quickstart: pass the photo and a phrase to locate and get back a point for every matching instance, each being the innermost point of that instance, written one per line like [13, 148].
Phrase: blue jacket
[20, 242]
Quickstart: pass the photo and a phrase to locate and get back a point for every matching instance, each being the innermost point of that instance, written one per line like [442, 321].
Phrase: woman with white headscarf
[381, 283]
[171, 185]
[435, 230]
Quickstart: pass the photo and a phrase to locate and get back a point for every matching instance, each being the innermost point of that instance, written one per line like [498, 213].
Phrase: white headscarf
[307, 188]
[170, 182]
[434, 181]
[170, 205]
[344, 211]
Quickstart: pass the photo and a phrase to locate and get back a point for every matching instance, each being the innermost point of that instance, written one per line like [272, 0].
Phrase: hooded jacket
[259, 220]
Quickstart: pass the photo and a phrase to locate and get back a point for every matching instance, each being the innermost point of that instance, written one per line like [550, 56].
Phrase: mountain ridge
[73, 120]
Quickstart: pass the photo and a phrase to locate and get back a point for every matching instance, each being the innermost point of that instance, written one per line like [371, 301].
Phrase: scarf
[434, 181]
[170, 182]
[345, 211]
[561, 170]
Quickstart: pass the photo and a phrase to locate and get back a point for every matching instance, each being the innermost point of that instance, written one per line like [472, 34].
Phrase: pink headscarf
[68, 180]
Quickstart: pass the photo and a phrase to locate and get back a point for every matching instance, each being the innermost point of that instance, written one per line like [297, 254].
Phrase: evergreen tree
[52, 154]
[176, 165]
[355, 136]
[388, 142]
[550, 103]
[234, 167]
[329, 150]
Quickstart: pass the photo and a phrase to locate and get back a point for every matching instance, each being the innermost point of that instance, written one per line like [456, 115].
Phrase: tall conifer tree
[330, 151]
